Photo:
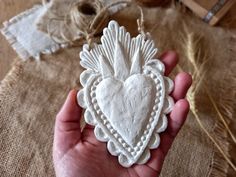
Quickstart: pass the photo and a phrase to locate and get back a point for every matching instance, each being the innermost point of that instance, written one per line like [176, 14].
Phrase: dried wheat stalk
[193, 52]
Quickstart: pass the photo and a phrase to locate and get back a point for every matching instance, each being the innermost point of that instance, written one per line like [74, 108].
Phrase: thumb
[67, 127]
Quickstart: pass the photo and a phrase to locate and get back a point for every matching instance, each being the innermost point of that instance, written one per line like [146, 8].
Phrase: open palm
[77, 153]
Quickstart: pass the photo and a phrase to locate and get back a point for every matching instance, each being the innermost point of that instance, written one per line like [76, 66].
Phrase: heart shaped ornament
[125, 94]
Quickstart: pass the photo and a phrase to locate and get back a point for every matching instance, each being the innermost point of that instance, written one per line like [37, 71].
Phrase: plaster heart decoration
[125, 94]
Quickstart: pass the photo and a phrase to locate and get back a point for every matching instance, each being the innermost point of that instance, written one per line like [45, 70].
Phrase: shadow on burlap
[33, 92]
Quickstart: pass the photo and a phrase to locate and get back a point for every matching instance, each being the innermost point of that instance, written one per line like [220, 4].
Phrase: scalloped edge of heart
[99, 67]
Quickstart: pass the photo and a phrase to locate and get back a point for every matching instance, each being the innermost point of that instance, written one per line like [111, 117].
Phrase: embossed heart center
[127, 105]
[125, 94]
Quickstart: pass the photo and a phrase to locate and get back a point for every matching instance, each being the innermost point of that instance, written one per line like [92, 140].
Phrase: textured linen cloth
[24, 37]
[27, 31]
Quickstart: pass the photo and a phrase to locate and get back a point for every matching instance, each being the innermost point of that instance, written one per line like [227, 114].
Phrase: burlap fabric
[33, 92]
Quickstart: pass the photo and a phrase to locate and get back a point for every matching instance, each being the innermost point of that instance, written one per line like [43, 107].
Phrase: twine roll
[45, 2]
[86, 19]
[83, 13]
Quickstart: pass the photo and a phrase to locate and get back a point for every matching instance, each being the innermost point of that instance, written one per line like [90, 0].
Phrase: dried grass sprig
[193, 53]
[195, 113]
[220, 115]
[192, 56]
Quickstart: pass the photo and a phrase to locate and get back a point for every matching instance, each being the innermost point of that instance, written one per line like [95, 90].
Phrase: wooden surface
[202, 8]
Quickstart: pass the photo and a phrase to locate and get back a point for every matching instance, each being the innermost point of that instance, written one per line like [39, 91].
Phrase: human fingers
[175, 122]
[182, 83]
[170, 59]
[67, 127]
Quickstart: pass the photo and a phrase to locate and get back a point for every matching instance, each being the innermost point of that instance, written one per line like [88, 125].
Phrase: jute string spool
[76, 24]
[45, 2]
[84, 21]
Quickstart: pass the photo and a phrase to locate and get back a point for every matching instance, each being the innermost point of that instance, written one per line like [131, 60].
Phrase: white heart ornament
[125, 94]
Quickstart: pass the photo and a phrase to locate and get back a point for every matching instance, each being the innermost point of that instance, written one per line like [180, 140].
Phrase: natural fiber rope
[84, 26]
[83, 22]
[45, 2]
[140, 22]
[76, 24]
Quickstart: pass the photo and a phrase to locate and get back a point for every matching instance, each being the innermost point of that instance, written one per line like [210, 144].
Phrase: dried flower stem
[190, 49]
[220, 115]
[194, 111]
[193, 52]
[191, 98]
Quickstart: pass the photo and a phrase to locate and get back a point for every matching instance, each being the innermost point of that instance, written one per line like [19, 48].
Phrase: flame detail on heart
[125, 94]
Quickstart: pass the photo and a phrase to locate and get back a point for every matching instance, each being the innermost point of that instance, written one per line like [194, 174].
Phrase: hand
[79, 154]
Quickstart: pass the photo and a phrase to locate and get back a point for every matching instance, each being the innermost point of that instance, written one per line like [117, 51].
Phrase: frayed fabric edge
[219, 166]
[17, 46]
[11, 78]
